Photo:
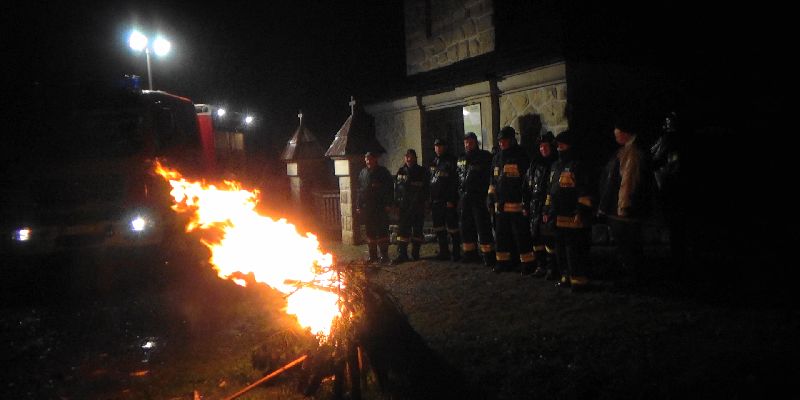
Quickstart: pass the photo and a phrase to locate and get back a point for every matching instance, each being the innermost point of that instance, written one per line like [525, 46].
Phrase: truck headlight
[138, 224]
[22, 234]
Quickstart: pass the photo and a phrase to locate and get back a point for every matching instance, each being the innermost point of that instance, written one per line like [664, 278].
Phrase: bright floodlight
[248, 120]
[137, 41]
[138, 224]
[221, 112]
[161, 46]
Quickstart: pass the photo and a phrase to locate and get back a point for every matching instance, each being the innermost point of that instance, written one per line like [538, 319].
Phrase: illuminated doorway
[450, 124]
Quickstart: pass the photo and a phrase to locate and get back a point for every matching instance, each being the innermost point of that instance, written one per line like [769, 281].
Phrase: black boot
[373, 253]
[527, 268]
[501, 266]
[489, 259]
[415, 251]
[384, 248]
[444, 252]
[551, 275]
[541, 265]
[456, 239]
[470, 257]
[402, 253]
[563, 282]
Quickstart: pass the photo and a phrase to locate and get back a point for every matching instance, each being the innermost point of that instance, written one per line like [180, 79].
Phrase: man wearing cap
[410, 194]
[373, 206]
[537, 181]
[508, 196]
[568, 209]
[444, 201]
[625, 197]
[474, 173]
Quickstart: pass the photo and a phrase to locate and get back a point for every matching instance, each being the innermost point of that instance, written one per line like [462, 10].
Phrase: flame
[273, 251]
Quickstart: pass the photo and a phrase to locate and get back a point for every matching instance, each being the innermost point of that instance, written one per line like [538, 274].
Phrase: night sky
[269, 60]
[272, 60]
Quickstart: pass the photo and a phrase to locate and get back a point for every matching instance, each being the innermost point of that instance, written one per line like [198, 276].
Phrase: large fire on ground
[271, 250]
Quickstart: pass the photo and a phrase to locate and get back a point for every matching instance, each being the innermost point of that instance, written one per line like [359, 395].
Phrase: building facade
[460, 79]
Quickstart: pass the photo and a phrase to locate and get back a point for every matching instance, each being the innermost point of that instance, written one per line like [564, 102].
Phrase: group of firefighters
[506, 209]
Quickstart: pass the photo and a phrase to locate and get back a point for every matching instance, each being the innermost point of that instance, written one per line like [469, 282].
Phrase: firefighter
[507, 195]
[667, 159]
[444, 200]
[474, 173]
[568, 208]
[411, 191]
[538, 177]
[373, 206]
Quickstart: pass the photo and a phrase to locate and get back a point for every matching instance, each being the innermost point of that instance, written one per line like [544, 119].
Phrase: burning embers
[243, 242]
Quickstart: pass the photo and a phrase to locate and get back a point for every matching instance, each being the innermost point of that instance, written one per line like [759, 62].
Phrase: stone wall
[398, 131]
[442, 32]
[546, 105]
[532, 101]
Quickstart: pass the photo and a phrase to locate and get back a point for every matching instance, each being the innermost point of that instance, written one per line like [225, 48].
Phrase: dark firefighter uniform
[444, 202]
[411, 194]
[508, 197]
[538, 179]
[569, 210]
[474, 173]
[666, 158]
[374, 197]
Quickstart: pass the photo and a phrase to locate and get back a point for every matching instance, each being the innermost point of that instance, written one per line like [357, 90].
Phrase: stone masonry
[442, 32]
[549, 103]
[398, 131]
[530, 100]
[347, 169]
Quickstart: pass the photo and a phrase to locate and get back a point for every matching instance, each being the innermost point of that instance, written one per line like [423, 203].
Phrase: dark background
[723, 67]
[267, 59]
[720, 65]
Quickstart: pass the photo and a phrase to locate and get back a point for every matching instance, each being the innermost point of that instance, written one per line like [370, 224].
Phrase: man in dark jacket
[625, 197]
[538, 178]
[474, 173]
[373, 206]
[568, 209]
[507, 195]
[444, 201]
[410, 194]
[667, 159]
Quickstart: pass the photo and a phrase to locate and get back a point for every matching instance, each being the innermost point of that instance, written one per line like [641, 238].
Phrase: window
[472, 120]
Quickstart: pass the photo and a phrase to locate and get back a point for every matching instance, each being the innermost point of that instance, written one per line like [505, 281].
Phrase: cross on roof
[352, 105]
[300, 115]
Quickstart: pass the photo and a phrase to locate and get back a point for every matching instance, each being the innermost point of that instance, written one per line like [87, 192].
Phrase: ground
[520, 337]
[146, 326]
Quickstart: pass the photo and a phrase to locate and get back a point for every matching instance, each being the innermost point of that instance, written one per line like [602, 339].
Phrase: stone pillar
[347, 169]
[494, 95]
[303, 178]
[295, 182]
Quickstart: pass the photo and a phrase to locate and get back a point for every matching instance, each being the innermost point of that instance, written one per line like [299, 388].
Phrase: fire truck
[223, 133]
[82, 173]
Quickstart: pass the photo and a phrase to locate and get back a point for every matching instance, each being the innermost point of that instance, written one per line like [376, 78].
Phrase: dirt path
[519, 337]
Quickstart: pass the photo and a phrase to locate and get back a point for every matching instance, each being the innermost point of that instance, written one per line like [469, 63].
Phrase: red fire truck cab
[83, 176]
